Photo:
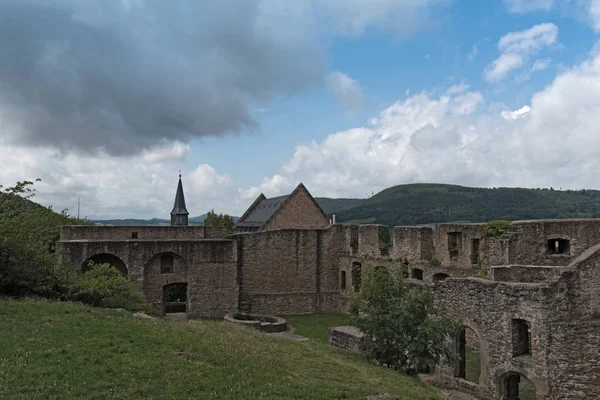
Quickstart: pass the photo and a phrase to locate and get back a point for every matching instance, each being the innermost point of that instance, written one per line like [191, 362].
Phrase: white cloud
[141, 186]
[541, 65]
[346, 92]
[553, 141]
[518, 47]
[525, 6]
[594, 13]
[516, 114]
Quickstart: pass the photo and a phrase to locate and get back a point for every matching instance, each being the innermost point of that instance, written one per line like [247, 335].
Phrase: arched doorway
[440, 276]
[516, 386]
[105, 258]
[417, 274]
[175, 298]
[469, 348]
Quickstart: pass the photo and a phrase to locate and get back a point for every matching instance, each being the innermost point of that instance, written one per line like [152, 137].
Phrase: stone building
[529, 299]
[297, 210]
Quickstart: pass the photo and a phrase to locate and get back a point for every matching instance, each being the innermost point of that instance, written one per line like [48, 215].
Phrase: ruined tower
[179, 215]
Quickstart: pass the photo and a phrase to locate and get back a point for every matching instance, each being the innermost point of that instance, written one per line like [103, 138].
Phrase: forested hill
[430, 203]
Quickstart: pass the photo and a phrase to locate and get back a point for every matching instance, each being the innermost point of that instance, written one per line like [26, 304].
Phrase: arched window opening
[356, 276]
[417, 274]
[175, 298]
[468, 348]
[166, 264]
[104, 258]
[343, 280]
[440, 276]
[517, 387]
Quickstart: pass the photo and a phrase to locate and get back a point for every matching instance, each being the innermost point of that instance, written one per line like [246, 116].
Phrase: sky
[108, 101]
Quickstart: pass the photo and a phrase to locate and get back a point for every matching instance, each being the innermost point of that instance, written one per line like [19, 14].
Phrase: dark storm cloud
[126, 74]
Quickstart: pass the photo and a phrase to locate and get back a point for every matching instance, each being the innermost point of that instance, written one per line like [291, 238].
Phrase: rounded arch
[510, 385]
[440, 276]
[473, 353]
[105, 258]
[158, 255]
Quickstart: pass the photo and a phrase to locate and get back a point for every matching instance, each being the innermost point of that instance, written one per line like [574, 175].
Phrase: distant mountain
[199, 220]
[332, 206]
[416, 204]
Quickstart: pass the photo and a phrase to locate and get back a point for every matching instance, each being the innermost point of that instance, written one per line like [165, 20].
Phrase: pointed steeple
[179, 215]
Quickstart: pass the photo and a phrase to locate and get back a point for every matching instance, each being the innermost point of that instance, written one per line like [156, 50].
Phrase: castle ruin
[529, 299]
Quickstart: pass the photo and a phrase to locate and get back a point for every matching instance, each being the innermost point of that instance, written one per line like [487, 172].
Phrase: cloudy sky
[108, 100]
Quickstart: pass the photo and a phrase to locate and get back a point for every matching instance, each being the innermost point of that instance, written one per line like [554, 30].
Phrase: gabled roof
[179, 204]
[263, 210]
[256, 216]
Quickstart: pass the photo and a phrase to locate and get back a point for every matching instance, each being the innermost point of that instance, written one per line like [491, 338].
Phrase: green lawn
[316, 327]
[67, 351]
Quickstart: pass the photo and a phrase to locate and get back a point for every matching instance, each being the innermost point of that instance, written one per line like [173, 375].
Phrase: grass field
[316, 327]
[67, 351]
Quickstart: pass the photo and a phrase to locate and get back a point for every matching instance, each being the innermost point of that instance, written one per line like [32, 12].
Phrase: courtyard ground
[66, 351]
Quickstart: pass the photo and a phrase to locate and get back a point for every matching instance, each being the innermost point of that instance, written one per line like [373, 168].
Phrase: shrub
[403, 328]
[495, 228]
[104, 286]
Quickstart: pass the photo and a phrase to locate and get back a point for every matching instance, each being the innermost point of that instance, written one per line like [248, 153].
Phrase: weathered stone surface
[346, 337]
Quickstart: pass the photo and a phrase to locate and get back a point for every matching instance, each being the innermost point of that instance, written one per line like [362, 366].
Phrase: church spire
[179, 215]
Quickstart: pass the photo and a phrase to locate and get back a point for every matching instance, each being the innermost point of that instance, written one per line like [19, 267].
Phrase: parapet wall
[82, 232]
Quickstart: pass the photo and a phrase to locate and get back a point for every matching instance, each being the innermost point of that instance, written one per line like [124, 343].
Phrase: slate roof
[262, 212]
[179, 205]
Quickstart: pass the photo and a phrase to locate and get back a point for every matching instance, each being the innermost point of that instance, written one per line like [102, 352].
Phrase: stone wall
[454, 244]
[413, 243]
[299, 211]
[291, 271]
[346, 337]
[209, 268]
[524, 273]
[529, 240]
[82, 232]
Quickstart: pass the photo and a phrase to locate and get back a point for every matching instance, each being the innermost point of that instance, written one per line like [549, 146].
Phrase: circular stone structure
[265, 323]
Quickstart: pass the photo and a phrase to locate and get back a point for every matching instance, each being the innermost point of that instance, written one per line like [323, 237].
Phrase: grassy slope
[67, 351]
[430, 203]
[316, 327]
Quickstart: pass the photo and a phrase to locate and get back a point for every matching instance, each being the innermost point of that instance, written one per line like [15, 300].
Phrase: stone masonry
[530, 298]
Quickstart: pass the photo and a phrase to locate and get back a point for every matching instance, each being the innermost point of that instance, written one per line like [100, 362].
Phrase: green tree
[214, 219]
[403, 327]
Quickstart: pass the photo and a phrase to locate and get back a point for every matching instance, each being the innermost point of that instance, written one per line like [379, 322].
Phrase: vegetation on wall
[403, 328]
[436, 203]
[495, 228]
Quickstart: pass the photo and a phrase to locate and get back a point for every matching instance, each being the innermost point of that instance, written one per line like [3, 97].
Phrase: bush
[495, 228]
[403, 328]
[105, 286]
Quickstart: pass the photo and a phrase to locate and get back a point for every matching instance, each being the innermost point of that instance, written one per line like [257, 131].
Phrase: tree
[403, 327]
[214, 219]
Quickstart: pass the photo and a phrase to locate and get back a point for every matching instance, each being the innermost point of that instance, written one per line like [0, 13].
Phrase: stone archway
[440, 276]
[162, 269]
[515, 385]
[473, 354]
[105, 258]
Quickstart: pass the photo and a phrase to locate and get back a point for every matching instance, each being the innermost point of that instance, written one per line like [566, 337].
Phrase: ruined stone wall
[529, 240]
[298, 212]
[489, 308]
[82, 232]
[575, 330]
[211, 269]
[413, 243]
[462, 256]
[524, 273]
